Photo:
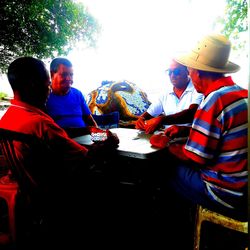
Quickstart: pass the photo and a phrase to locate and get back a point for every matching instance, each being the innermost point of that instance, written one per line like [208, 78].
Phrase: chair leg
[203, 214]
[197, 231]
[12, 220]
[10, 197]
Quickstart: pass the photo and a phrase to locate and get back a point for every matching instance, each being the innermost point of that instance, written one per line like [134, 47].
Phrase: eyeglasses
[176, 71]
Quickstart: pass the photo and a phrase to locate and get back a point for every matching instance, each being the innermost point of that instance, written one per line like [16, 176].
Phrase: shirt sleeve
[156, 108]
[84, 106]
[59, 142]
[197, 98]
[204, 137]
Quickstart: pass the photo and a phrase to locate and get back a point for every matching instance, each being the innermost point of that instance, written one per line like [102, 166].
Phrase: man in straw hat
[211, 168]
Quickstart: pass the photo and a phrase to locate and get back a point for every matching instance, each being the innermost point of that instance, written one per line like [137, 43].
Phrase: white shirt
[168, 103]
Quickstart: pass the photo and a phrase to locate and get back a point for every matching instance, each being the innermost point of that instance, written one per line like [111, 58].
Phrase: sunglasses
[176, 71]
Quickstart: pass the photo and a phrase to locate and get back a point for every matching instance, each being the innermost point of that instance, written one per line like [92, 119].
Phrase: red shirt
[24, 118]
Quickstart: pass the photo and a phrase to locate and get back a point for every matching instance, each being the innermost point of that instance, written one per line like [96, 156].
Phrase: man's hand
[140, 123]
[177, 131]
[172, 132]
[112, 139]
[103, 148]
[104, 136]
[160, 140]
[153, 124]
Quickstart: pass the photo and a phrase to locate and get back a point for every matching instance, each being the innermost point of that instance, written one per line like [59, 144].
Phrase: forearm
[177, 151]
[184, 116]
[146, 116]
[176, 131]
[90, 121]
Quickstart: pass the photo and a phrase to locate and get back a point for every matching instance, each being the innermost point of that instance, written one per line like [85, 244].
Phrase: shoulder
[75, 90]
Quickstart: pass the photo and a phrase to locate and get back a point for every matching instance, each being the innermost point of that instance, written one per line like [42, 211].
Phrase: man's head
[178, 75]
[208, 60]
[210, 54]
[29, 80]
[61, 71]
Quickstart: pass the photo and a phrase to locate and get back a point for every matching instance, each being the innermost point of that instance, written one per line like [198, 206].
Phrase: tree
[43, 28]
[235, 22]
[2, 96]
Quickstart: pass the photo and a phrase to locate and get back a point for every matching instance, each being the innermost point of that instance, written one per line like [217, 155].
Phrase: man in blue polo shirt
[67, 105]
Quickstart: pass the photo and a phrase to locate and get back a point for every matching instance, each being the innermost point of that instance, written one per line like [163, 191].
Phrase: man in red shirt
[61, 173]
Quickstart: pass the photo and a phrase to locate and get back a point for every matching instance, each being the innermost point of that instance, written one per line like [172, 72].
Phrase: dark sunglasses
[176, 71]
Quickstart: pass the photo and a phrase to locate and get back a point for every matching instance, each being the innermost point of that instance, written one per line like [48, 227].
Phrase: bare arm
[90, 121]
[176, 150]
[184, 116]
[154, 123]
[177, 131]
[140, 123]
[74, 132]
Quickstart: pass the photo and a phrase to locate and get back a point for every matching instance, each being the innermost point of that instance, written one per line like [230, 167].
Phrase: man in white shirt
[175, 106]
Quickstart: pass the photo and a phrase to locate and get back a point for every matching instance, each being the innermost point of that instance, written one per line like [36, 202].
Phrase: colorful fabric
[68, 110]
[218, 141]
[124, 97]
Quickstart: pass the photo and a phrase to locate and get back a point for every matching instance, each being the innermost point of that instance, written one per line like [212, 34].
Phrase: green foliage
[2, 95]
[235, 22]
[43, 28]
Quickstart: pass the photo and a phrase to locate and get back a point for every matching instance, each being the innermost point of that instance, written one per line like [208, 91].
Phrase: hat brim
[188, 61]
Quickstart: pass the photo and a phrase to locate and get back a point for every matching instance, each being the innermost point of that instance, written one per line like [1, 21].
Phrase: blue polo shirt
[68, 110]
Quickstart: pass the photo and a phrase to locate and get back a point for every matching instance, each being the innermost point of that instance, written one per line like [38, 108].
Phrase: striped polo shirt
[218, 141]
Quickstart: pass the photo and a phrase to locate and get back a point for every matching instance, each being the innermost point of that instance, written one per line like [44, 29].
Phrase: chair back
[107, 121]
[29, 161]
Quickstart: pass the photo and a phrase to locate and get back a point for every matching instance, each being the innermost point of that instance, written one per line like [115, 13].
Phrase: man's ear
[196, 73]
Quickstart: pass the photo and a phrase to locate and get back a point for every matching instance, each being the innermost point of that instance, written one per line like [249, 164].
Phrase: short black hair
[26, 70]
[57, 61]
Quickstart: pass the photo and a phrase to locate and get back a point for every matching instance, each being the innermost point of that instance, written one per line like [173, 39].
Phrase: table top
[133, 143]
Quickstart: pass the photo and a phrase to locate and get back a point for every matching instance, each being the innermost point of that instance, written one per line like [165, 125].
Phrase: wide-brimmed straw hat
[210, 54]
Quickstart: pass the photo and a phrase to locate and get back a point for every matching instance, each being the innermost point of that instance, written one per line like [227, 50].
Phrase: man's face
[62, 80]
[195, 79]
[178, 75]
[40, 90]
[46, 88]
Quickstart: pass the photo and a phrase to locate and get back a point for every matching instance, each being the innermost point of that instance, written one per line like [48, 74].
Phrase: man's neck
[56, 92]
[30, 102]
[179, 91]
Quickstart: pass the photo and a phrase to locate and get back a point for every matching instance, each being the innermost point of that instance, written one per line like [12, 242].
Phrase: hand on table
[149, 126]
[104, 136]
[177, 131]
[152, 124]
[159, 140]
[140, 123]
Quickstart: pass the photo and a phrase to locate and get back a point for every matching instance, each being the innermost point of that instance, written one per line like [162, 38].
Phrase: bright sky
[139, 38]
